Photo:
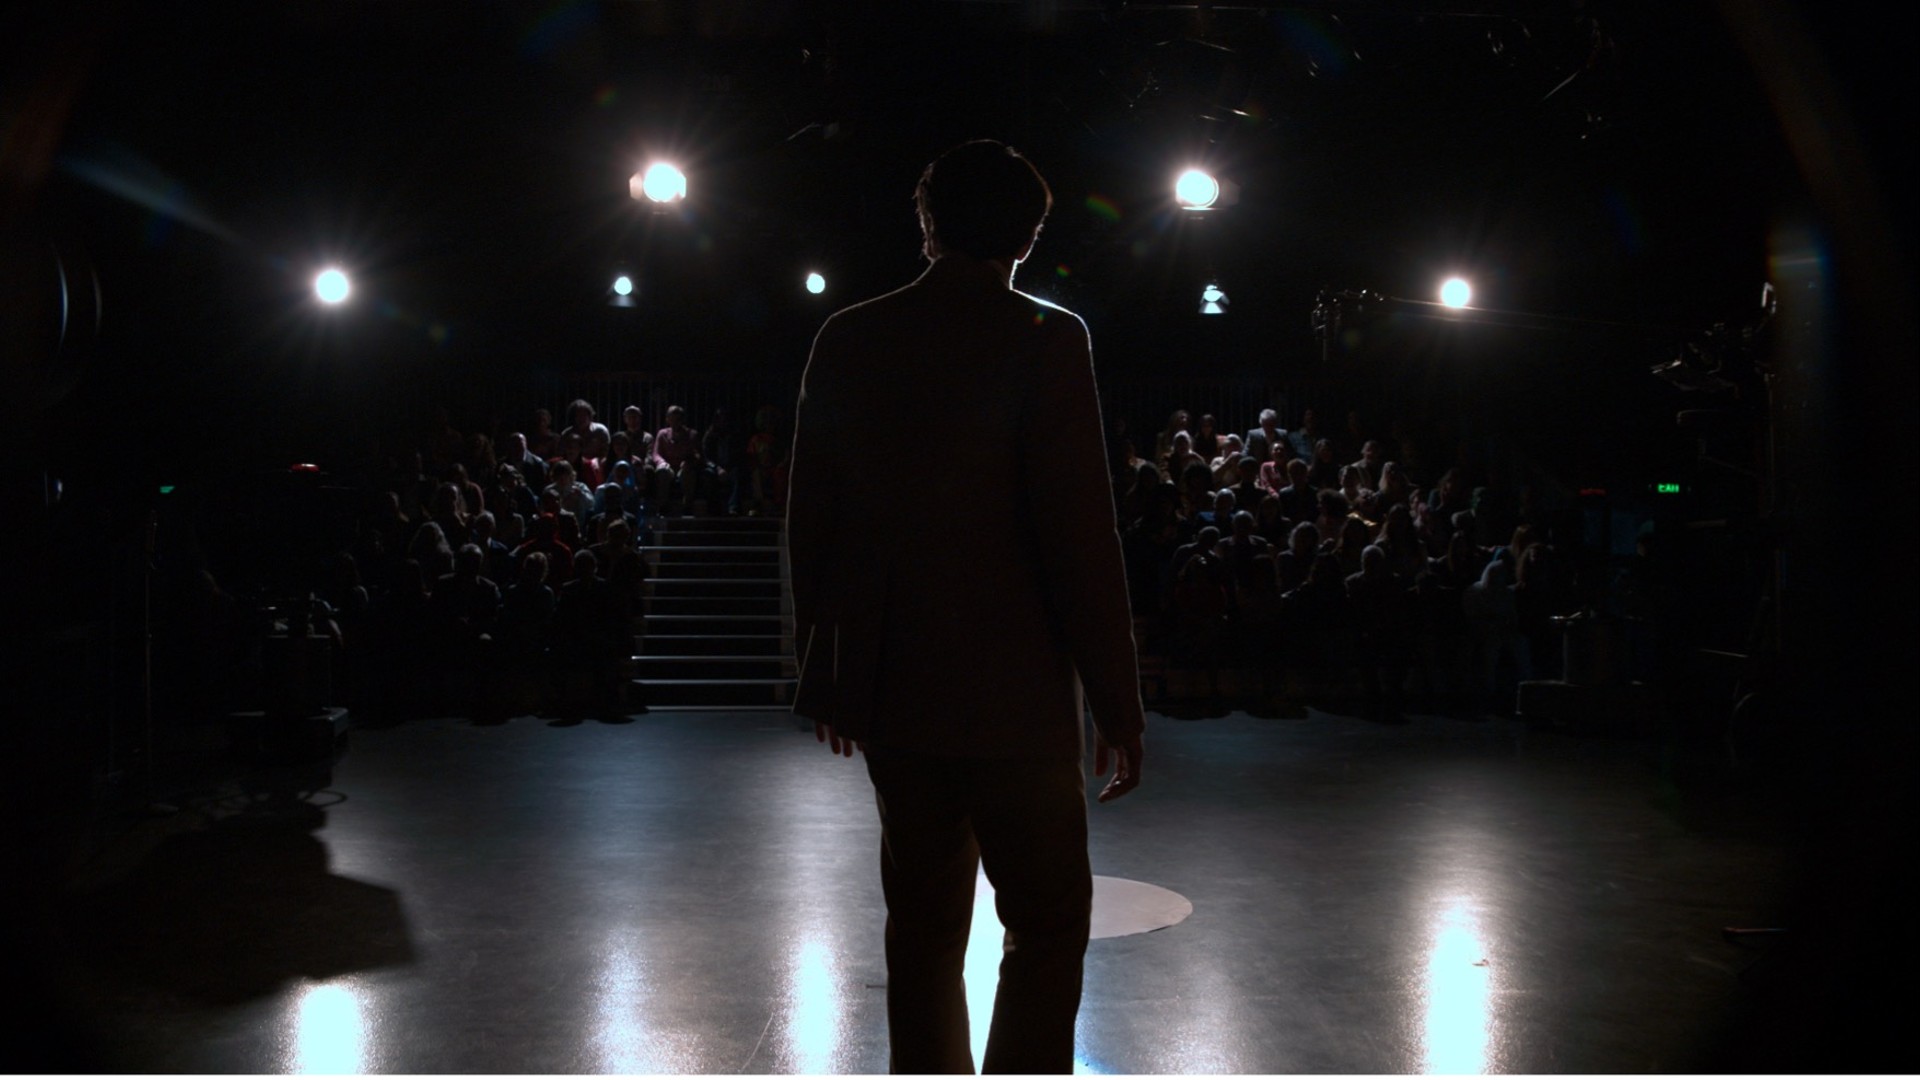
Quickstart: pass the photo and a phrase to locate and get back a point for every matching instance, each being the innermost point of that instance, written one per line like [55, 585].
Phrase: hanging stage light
[332, 286]
[1456, 293]
[1212, 300]
[1196, 190]
[660, 183]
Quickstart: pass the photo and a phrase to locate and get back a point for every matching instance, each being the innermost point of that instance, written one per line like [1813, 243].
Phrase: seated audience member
[1269, 522]
[1405, 553]
[1270, 435]
[1258, 448]
[1196, 491]
[1298, 500]
[1356, 533]
[526, 610]
[572, 496]
[466, 599]
[1322, 470]
[448, 511]
[618, 498]
[1448, 497]
[1221, 514]
[1182, 457]
[1316, 618]
[676, 463]
[1147, 546]
[619, 448]
[766, 457]
[1304, 440]
[543, 441]
[1226, 467]
[1330, 515]
[1138, 495]
[639, 439]
[545, 539]
[720, 469]
[531, 466]
[1248, 492]
[472, 499]
[480, 458]
[1353, 488]
[1368, 464]
[1293, 564]
[1163, 444]
[593, 460]
[1207, 438]
[588, 642]
[1245, 555]
[1493, 618]
[429, 548]
[580, 422]
[497, 558]
[513, 504]
[1272, 478]
[1394, 489]
[1203, 543]
[1381, 610]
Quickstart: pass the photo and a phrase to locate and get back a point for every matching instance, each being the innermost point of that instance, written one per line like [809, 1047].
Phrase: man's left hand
[840, 745]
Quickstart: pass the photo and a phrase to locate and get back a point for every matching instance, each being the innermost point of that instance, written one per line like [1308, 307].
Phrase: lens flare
[1196, 190]
[332, 286]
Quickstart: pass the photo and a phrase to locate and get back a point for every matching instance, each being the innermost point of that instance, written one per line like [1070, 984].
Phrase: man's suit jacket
[957, 577]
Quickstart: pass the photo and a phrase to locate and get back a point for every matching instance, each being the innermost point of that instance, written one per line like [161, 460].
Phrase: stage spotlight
[1213, 301]
[1196, 190]
[816, 284]
[332, 286]
[1456, 292]
[623, 286]
[661, 183]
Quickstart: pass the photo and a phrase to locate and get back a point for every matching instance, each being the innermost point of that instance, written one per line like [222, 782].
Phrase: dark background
[1643, 167]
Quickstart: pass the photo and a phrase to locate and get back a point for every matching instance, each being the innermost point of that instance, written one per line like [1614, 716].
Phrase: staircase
[717, 633]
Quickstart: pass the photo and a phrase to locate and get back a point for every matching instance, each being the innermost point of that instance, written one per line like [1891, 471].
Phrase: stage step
[768, 606]
[678, 693]
[755, 645]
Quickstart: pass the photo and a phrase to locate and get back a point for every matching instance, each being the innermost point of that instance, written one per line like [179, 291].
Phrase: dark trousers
[1025, 821]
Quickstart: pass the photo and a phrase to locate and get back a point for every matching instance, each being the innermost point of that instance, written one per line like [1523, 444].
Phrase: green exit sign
[1667, 489]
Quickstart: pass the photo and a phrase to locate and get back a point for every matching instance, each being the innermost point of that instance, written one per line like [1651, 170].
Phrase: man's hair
[982, 199]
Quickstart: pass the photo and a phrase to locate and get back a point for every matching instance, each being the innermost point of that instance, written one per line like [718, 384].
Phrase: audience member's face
[582, 417]
[1370, 451]
[631, 418]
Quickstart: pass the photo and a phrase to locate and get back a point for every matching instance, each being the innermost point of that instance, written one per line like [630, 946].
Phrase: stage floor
[699, 892]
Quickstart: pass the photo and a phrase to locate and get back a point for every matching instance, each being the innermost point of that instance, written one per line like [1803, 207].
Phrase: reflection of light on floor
[622, 1034]
[985, 942]
[330, 1033]
[1457, 1026]
[815, 1011]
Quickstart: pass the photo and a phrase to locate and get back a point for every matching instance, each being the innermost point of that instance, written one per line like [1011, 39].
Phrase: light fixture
[1212, 300]
[660, 183]
[332, 286]
[623, 286]
[1196, 190]
[816, 284]
[1455, 293]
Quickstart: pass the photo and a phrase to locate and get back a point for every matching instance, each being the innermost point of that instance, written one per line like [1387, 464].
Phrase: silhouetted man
[957, 659]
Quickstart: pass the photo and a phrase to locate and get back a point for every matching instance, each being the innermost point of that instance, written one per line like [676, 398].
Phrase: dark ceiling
[469, 163]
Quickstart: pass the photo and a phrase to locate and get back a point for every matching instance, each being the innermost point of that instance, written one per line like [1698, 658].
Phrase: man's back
[959, 590]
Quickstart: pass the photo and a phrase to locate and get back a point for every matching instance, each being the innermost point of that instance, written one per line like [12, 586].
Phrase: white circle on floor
[1120, 906]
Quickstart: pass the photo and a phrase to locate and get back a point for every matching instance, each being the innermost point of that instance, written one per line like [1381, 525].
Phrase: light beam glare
[1457, 1025]
[330, 1033]
[1456, 293]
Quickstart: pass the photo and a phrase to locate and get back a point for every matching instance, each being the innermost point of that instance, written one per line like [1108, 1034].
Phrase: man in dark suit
[956, 611]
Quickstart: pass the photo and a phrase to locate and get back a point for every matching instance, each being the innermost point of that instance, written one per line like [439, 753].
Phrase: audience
[517, 566]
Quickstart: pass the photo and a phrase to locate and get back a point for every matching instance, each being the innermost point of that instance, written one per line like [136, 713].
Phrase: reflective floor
[699, 893]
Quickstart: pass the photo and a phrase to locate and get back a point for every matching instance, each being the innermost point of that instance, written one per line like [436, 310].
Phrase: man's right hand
[1126, 761]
